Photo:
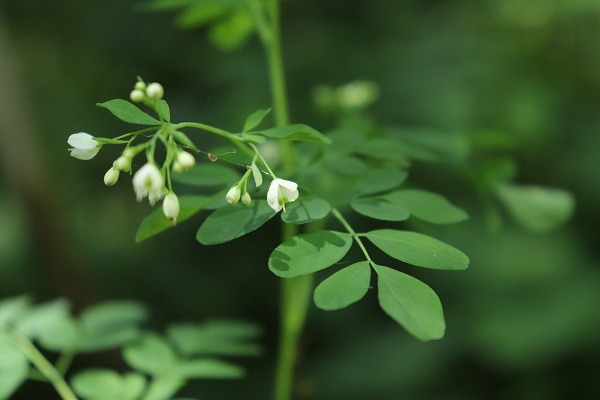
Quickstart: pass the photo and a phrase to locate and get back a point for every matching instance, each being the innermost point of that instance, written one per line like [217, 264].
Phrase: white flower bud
[111, 176]
[137, 96]
[155, 91]
[84, 146]
[233, 195]
[186, 160]
[246, 199]
[171, 207]
[140, 86]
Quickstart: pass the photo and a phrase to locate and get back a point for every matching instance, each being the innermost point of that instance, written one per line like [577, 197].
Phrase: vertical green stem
[43, 365]
[296, 292]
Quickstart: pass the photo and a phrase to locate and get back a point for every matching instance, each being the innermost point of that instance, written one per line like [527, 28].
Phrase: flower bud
[246, 199]
[123, 163]
[171, 207]
[155, 91]
[140, 86]
[111, 177]
[186, 160]
[136, 95]
[233, 196]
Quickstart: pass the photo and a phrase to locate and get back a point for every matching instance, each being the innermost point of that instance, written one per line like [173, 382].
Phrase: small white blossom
[111, 176]
[155, 91]
[281, 192]
[148, 181]
[233, 195]
[171, 207]
[84, 146]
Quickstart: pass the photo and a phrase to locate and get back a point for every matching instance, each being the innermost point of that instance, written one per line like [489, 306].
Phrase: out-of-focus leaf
[379, 208]
[537, 208]
[150, 354]
[156, 222]
[206, 175]
[380, 180]
[296, 132]
[207, 368]
[12, 307]
[428, 206]
[232, 31]
[14, 368]
[345, 164]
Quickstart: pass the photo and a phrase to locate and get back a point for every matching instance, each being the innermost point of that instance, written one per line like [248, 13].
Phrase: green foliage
[343, 288]
[128, 112]
[296, 132]
[411, 303]
[206, 175]
[162, 364]
[535, 208]
[156, 222]
[418, 249]
[304, 211]
[379, 180]
[234, 221]
[308, 253]
[255, 119]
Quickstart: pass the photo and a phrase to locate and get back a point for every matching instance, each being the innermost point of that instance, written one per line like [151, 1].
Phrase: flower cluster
[153, 180]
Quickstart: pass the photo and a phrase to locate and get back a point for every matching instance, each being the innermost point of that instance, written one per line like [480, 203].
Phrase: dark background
[522, 321]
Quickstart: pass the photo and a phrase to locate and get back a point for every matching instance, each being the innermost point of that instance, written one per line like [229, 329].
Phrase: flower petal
[273, 196]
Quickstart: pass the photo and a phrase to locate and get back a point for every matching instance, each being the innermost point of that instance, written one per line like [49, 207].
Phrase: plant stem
[295, 293]
[42, 365]
[351, 231]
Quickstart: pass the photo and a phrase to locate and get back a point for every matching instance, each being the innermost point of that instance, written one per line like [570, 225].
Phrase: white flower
[281, 192]
[111, 176]
[233, 195]
[148, 181]
[171, 207]
[84, 146]
[155, 91]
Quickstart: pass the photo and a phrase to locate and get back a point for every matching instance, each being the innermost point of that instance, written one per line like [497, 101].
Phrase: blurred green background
[523, 320]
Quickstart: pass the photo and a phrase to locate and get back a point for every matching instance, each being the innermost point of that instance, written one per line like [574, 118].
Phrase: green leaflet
[14, 368]
[156, 222]
[111, 324]
[206, 368]
[207, 175]
[380, 180]
[308, 253]
[150, 354]
[128, 112]
[103, 384]
[536, 208]
[13, 307]
[411, 303]
[255, 119]
[215, 338]
[303, 211]
[296, 132]
[343, 288]
[345, 164]
[233, 221]
[379, 208]
[418, 249]
[163, 109]
[428, 206]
